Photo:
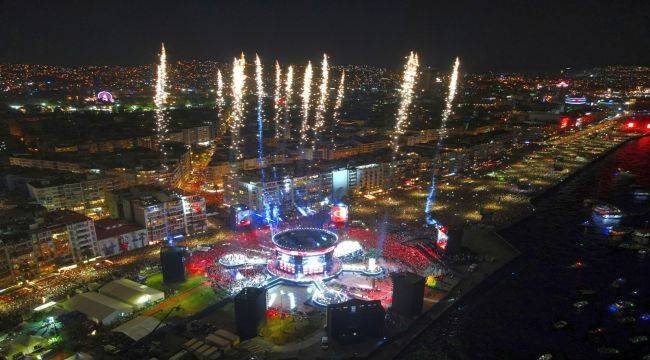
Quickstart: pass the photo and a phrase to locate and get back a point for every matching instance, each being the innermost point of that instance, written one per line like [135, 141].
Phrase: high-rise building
[38, 243]
[167, 215]
[118, 236]
[63, 190]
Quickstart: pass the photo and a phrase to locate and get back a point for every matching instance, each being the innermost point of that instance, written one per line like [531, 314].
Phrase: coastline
[548, 190]
[469, 285]
[599, 157]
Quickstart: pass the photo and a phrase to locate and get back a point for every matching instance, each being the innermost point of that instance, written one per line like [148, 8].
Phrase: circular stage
[304, 255]
[306, 240]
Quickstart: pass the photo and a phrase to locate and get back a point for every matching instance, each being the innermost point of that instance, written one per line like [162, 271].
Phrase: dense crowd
[81, 278]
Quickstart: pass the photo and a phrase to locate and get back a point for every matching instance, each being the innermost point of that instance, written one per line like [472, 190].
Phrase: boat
[581, 304]
[627, 320]
[561, 324]
[640, 194]
[606, 214]
[597, 331]
[609, 351]
[638, 339]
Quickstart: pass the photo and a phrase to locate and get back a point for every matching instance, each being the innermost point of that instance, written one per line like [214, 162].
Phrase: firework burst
[319, 118]
[260, 108]
[306, 94]
[238, 87]
[449, 101]
[406, 98]
[221, 102]
[277, 94]
[451, 94]
[160, 100]
[340, 94]
[288, 95]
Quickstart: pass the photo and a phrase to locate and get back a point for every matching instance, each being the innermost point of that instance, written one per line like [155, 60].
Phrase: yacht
[606, 214]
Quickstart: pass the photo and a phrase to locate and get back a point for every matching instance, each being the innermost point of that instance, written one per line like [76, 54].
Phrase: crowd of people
[80, 278]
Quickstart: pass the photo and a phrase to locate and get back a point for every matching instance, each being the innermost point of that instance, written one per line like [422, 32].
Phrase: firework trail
[319, 119]
[340, 94]
[259, 81]
[160, 99]
[260, 118]
[451, 94]
[277, 94]
[306, 94]
[288, 94]
[406, 98]
[221, 103]
[238, 87]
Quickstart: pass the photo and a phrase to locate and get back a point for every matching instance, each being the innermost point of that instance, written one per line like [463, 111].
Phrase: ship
[606, 214]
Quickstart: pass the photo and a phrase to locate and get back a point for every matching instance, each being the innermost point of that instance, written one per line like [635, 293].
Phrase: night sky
[488, 35]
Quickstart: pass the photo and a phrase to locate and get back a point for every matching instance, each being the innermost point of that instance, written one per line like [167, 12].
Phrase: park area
[184, 299]
[281, 329]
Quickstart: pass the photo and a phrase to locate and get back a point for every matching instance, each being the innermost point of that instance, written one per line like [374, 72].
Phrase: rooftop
[305, 239]
[108, 228]
[148, 195]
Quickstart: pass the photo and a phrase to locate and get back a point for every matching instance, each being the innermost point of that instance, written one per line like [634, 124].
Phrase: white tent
[131, 292]
[100, 308]
[139, 327]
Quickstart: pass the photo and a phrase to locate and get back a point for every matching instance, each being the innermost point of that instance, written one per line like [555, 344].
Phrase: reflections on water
[562, 264]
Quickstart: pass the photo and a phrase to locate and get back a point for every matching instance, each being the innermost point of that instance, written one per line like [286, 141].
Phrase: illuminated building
[192, 136]
[118, 236]
[288, 193]
[165, 214]
[45, 164]
[575, 100]
[81, 194]
[37, 243]
[311, 192]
